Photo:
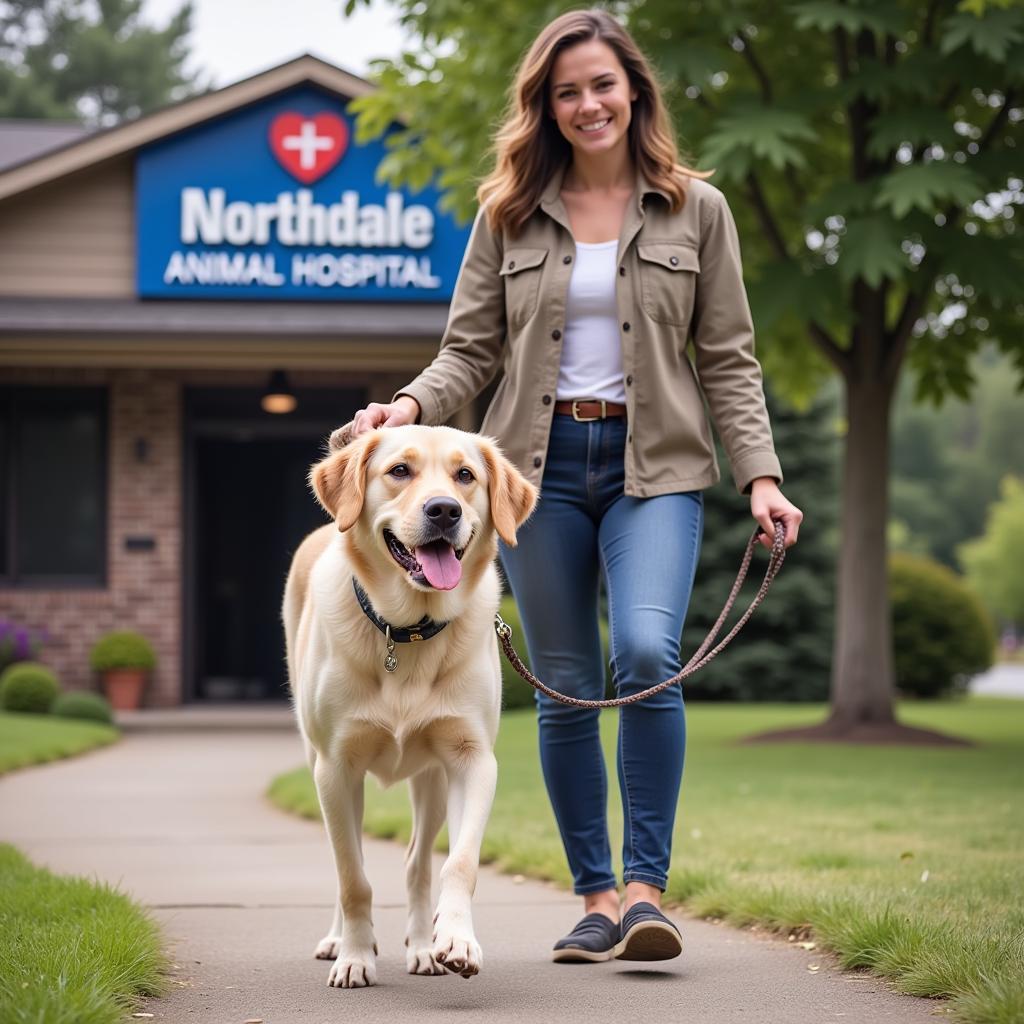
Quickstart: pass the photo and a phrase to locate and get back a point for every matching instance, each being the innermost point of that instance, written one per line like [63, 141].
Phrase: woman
[594, 258]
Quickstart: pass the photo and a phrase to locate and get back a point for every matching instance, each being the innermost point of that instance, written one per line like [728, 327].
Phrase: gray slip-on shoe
[647, 934]
[592, 940]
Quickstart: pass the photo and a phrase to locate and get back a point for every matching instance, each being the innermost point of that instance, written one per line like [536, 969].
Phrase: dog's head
[423, 497]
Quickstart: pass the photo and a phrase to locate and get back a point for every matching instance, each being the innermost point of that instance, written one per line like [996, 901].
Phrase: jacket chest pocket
[668, 281]
[522, 270]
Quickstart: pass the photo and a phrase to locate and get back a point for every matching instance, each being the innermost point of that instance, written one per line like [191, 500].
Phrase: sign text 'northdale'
[295, 219]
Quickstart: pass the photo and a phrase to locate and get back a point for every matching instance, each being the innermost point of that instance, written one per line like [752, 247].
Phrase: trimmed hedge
[28, 686]
[942, 633]
[89, 707]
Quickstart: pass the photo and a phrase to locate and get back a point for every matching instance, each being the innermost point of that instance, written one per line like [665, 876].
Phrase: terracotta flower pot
[123, 687]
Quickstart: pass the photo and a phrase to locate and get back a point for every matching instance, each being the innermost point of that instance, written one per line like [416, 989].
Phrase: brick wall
[143, 589]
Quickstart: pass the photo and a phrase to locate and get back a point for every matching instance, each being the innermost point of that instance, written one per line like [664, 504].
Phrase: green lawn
[33, 739]
[71, 951]
[904, 860]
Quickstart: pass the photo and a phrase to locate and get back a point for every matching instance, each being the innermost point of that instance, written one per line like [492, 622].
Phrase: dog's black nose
[444, 512]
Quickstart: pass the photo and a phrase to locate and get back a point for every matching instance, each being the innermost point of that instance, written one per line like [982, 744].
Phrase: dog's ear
[339, 481]
[341, 436]
[512, 496]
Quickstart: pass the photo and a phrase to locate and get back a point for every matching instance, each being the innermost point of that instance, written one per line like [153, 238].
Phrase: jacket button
[629, 438]
[537, 460]
[556, 334]
[622, 271]
[625, 326]
[674, 260]
[567, 259]
[512, 265]
[629, 379]
[546, 399]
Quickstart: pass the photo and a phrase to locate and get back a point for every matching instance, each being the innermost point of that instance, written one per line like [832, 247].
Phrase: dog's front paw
[353, 970]
[456, 947]
[420, 960]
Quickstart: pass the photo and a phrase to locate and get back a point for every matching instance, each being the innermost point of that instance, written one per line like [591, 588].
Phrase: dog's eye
[400, 471]
[465, 476]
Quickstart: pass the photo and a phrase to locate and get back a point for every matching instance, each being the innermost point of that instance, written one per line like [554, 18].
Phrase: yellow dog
[394, 670]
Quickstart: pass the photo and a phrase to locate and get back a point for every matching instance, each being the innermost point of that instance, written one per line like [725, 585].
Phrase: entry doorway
[248, 508]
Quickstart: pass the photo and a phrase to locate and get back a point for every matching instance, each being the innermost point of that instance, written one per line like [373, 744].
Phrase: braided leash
[702, 656]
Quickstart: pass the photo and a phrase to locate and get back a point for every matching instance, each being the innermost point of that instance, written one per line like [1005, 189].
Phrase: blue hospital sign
[275, 201]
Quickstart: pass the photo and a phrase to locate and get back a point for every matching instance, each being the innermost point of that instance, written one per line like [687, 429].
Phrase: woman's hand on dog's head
[396, 414]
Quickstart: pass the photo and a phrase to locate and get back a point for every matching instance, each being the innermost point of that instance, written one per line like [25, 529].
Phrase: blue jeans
[647, 551]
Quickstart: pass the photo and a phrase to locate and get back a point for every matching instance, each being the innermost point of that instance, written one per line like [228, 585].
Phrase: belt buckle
[589, 419]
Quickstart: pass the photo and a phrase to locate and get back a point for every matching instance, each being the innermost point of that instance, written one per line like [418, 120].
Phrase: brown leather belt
[586, 410]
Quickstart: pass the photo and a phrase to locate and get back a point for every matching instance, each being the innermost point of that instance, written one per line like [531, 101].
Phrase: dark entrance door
[250, 507]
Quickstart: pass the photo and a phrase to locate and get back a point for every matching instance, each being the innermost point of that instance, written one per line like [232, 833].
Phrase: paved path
[1003, 680]
[244, 892]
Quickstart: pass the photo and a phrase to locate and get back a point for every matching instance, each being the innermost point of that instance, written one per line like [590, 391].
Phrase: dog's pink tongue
[442, 569]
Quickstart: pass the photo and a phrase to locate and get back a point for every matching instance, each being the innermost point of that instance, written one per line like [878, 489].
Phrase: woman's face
[590, 97]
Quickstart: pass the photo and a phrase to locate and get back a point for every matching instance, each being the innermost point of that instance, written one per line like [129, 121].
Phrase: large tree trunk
[863, 681]
[862, 664]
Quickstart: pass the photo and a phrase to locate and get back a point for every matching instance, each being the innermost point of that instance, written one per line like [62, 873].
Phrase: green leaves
[742, 140]
[988, 264]
[786, 289]
[989, 36]
[926, 186]
[828, 15]
[871, 249]
[919, 127]
[100, 63]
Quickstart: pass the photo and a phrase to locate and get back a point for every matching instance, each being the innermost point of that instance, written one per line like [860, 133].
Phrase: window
[53, 486]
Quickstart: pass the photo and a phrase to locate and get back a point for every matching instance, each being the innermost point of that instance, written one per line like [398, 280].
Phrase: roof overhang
[127, 332]
[124, 138]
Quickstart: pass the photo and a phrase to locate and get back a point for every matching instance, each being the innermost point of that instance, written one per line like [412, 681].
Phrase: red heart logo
[307, 147]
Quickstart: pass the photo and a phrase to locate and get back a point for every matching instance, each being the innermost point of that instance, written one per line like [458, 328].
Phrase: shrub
[123, 649]
[28, 686]
[89, 706]
[942, 633]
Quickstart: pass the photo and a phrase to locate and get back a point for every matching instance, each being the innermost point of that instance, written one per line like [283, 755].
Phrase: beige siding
[72, 238]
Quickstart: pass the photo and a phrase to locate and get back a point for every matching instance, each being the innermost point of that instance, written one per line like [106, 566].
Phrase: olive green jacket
[679, 279]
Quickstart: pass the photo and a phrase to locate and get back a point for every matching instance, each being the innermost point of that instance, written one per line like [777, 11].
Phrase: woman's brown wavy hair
[529, 147]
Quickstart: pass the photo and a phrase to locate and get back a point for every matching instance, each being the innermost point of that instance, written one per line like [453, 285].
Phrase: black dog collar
[422, 630]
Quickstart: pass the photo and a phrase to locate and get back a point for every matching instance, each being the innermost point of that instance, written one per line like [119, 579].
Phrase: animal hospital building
[189, 304]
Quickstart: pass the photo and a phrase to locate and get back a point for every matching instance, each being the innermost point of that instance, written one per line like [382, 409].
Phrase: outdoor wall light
[278, 397]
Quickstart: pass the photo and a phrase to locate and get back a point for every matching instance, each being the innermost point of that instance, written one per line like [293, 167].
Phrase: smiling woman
[596, 260]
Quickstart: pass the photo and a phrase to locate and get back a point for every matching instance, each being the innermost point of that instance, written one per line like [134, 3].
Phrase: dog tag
[390, 661]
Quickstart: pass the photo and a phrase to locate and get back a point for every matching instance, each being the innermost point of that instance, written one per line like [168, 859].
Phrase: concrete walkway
[244, 891]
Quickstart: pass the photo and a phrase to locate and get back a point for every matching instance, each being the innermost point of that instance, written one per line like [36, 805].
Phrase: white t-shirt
[591, 350]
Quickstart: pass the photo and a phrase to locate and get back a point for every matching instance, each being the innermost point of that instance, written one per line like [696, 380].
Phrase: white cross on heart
[308, 146]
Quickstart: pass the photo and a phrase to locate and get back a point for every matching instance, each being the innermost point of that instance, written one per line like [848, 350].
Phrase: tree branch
[998, 121]
[764, 215]
[861, 112]
[842, 55]
[929, 24]
[898, 338]
[839, 357]
[836, 355]
[757, 67]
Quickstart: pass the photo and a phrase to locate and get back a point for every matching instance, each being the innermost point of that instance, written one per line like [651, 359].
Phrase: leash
[702, 656]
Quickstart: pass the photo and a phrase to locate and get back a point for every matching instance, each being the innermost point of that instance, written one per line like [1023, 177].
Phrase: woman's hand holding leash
[767, 503]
